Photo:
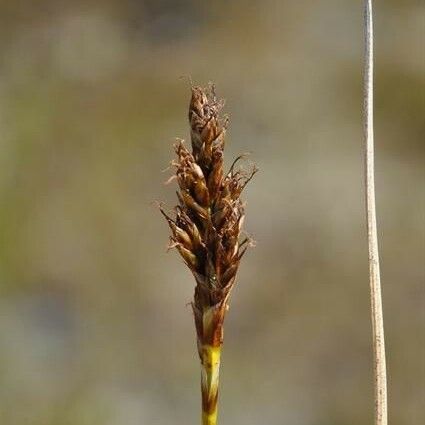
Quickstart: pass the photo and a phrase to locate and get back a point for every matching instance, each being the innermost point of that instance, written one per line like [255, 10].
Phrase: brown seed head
[207, 223]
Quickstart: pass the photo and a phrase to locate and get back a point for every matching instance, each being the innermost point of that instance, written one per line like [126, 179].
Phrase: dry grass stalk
[206, 229]
[380, 373]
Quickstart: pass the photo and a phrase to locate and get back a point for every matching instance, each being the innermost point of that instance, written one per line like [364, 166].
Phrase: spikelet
[206, 229]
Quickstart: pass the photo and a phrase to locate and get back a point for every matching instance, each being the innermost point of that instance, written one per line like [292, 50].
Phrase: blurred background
[94, 323]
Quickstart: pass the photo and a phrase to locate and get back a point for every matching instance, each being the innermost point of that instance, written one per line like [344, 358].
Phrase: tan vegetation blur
[94, 326]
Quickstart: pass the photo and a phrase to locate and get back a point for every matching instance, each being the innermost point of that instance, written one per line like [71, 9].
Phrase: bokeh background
[94, 323]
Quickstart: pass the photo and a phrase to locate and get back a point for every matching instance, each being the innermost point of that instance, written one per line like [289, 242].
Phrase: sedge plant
[206, 229]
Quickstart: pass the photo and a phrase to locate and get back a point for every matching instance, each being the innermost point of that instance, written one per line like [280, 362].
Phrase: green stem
[210, 370]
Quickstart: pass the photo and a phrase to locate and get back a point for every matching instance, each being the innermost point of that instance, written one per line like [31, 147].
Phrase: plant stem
[380, 377]
[210, 369]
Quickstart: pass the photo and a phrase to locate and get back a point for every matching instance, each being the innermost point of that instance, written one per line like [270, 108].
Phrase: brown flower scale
[206, 230]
